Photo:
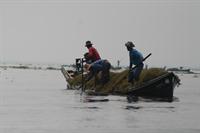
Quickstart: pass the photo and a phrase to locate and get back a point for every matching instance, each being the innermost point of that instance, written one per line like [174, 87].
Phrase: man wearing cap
[100, 65]
[135, 58]
[93, 54]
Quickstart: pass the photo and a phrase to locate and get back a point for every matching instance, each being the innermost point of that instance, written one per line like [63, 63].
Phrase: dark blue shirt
[135, 57]
[96, 67]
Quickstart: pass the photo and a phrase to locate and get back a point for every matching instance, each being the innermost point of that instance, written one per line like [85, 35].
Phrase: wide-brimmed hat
[88, 43]
[129, 44]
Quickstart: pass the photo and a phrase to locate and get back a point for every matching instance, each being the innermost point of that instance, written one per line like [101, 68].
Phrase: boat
[160, 87]
[68, 73]
[154, 83]
[180, 70]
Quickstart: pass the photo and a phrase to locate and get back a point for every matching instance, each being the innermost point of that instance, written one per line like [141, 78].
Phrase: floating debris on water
[93, 107]
[133, 107]
[195, 76]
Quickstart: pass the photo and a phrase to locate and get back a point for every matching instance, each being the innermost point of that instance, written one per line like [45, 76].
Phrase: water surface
[36, 101]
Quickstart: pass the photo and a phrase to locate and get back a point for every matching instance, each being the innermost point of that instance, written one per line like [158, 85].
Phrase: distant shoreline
[30, 67]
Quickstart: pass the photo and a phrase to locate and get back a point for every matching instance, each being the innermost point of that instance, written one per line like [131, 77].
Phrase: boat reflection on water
[131, 99]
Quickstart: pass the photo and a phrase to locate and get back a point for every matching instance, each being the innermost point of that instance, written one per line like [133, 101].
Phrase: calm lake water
[36, 101]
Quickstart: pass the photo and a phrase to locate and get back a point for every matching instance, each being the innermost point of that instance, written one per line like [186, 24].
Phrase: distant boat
[180, 70]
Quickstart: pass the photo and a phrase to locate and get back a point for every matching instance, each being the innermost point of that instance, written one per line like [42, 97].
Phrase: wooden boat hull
[160, 87]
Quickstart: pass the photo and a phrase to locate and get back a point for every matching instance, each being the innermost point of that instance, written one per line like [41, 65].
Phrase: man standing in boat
[136, 58]
[100, 65]
[93, 54]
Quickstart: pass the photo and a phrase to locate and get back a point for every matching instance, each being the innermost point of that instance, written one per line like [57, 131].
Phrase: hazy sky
[55, 31]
